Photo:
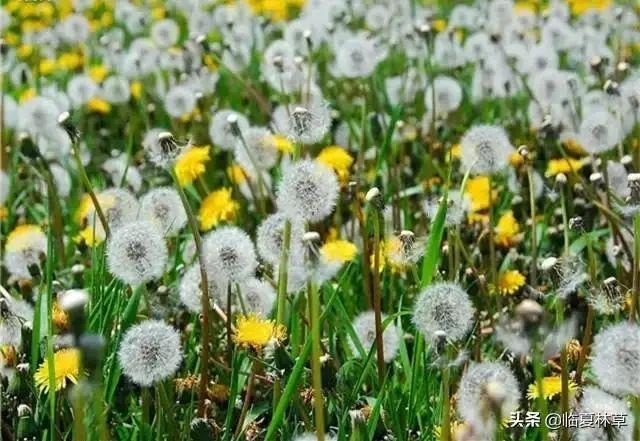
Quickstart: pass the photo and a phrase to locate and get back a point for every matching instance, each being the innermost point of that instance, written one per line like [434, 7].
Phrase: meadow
[332, 220]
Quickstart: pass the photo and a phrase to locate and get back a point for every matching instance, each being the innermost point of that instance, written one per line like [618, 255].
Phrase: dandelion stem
[588, 327]
[316, 367]
[204, 286]
[283, 282]
[542, 402]
[445, 432]
[534, 239]
[247, 400]
[492, 245]
[89, 188]
[377, 302]
[565, 221]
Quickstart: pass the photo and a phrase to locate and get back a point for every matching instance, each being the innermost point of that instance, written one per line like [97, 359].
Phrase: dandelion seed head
[163, 206]
[221, 131]
[600, 131]
[150, 352]
[14, 314]
[162, 151]
[485, 149]
[190, 288]
[165, 33]
[257, 151]
[81, 89]
[364, 326]
[179, 101]
[458, 206]
[137, 253]
[120, 207]
[314, 437]
[448, 95]
[308, 191]
[597, 401]
[472, 392]
[443, 307]
[258, 297]
[616, 359]
[24, 247]
[231, 252]
[356, 57]
[308, 124]
[116, 89]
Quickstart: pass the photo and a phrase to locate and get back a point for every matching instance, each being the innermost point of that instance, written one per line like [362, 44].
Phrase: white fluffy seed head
[308, 125]
[458, 205]
[364, 326]
[314, 437]
[485, 149]
[14, 313]
[616, 359]
[221, 129]
[597, 401]
[73, 299]
[472, 392]
[231, 252]
[190, 290]
[163, 207]
[256, 151]
[258, 297]
[443, 307]
[120, 207]
[150, 352]
[137, 253]
[600, 131]
[308, 191]
[269, 238]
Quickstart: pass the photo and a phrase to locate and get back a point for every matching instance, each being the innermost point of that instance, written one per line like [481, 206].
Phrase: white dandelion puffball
[24, 247]
[356, 57]
[308, 124]
[458, 206]
[54, 143]
[81, 89]
[485, 149]
[180, 101]
[365, 327]
[137, 253]
[150, 352]
[165, 33]
[269, 237]
[38, 115]
[220, 130]
[448, 95]
[161, 155]
[232, 254]
[120, 170]
[472, 389]
[258, 297]
[256, 151]
[14, 314]
[61, 179]
[616, 359]
[120, 207]
[600, 131]
[597, 401]
[443, 307]
[190, 290]
[164, 207]
[116, 89]
[308, 191]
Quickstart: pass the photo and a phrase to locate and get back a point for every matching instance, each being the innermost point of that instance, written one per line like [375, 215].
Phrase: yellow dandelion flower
[516, 159]
[581, 6]
[47, 66]
[439, 25]
[574, 147]
[478, 191]
[69, 61]
[98, 73]
[338, 159]
[217, 207]
[66, 364]
[3, 212]
[27, 95]
[456, 428]
[509, 282]
[456, 151]
[254, 332]
[22, 237]
[98, 105]
[24, 51]
[85, 207]
[524, 7]
[283, 144]
[59, 318]
[507, 230]
[158, 13]
[565, 166]
[338, 251]
[479, 218]
[551, 386]
[136, 89]
[191, 164]
[91, 236]
[236, 174]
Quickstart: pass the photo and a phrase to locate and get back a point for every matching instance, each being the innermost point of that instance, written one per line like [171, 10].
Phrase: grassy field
[323, 219]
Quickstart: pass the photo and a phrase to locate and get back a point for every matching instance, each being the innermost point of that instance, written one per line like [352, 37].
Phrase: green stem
[89, 188]
[542, 402]
[316, 366]
[534, 239]
[492, 244]
[283, 282]
[204, 287]
[377, 301]
[635, 295]
[445, 430]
